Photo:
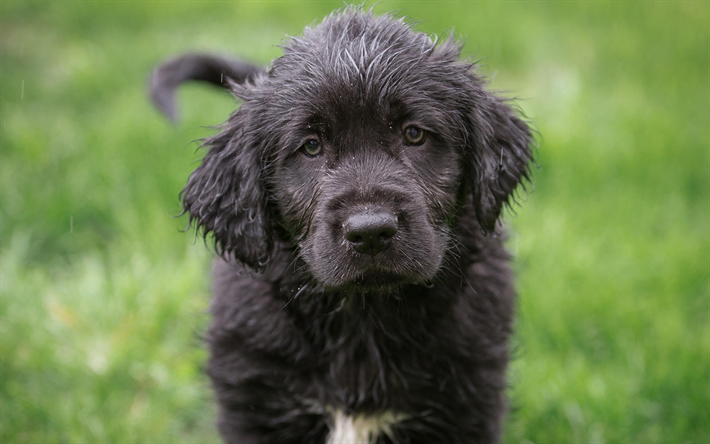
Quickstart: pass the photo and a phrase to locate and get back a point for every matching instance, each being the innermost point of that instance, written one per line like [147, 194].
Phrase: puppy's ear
[226, 194]
[499, 153]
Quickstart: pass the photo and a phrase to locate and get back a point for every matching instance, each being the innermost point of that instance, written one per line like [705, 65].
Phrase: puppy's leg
[256, 412]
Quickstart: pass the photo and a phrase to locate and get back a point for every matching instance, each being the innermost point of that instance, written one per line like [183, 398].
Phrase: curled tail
[217, 70]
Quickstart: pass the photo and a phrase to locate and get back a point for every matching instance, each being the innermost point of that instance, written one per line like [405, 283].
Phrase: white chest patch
[360, 429]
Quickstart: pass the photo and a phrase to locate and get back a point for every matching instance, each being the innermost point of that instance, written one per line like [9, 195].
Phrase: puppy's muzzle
[370, 233]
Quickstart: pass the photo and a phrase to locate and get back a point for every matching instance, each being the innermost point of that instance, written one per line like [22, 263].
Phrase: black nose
[370, 233]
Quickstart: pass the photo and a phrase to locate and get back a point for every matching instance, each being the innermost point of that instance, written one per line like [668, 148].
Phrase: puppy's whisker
[298, 293]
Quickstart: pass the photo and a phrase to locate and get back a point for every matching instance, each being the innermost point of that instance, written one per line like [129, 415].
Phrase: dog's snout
[370, 233]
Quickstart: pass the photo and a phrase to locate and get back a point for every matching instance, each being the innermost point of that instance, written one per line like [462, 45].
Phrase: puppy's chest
[367, 360]
[360, 366]
[375, 370]
[361, 428]
[360, 395]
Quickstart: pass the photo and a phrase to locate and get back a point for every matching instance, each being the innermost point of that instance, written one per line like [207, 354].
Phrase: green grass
[103, 298]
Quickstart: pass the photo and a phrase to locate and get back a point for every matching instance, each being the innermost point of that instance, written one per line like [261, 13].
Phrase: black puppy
[362, 295]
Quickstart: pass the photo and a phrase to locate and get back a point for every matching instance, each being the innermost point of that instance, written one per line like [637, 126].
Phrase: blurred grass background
[103, 299]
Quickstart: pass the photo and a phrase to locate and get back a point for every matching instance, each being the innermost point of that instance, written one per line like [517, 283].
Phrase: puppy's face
[360, 142]
[368, 178]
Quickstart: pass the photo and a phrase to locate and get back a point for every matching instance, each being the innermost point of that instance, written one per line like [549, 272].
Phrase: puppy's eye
[413, 135]
[312, 147]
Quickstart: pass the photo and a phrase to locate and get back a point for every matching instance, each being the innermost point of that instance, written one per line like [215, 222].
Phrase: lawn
[103, 298]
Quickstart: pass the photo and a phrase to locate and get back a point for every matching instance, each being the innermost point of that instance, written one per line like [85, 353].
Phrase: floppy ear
[499, 151]
[226, 194]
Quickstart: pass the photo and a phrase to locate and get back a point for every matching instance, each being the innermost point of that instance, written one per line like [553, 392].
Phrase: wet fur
[304, 326]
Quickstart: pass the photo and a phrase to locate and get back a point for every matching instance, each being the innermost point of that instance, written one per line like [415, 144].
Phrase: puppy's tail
[165, 79]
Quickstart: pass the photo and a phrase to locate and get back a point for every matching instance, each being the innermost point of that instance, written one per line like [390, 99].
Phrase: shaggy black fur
[354, 199]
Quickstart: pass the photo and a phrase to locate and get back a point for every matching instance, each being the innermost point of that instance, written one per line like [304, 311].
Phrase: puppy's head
[359, 143]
